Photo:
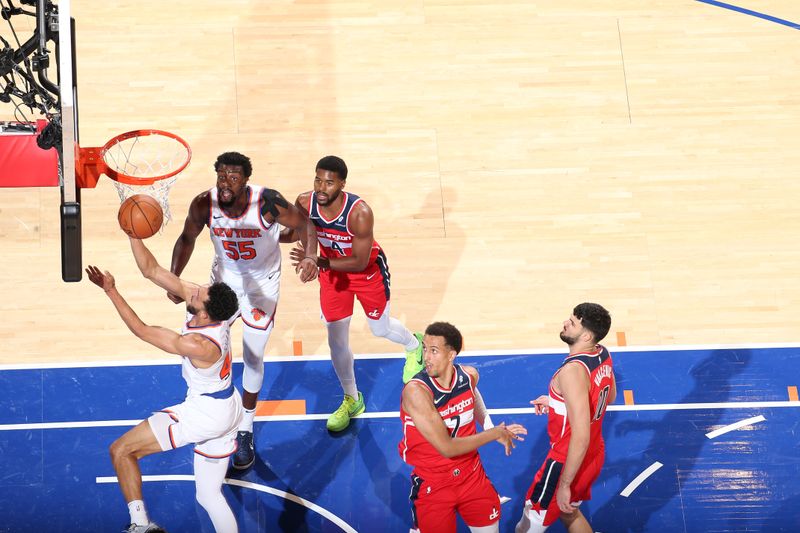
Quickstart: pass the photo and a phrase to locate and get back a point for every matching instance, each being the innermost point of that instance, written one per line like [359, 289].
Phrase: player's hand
[297, 254]
[307, 269]
[541, 405]
[509, 434]
[174, 298]
[563, 497]
[103, 280]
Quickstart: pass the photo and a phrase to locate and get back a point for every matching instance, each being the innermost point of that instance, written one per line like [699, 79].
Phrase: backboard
[71, 265]
[39, 145]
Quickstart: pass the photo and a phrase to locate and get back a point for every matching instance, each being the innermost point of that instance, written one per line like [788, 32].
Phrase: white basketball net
[144, 156]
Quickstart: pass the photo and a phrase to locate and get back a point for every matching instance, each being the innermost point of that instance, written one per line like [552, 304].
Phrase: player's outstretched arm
[418, 403]
[159, 275]
[193, 346]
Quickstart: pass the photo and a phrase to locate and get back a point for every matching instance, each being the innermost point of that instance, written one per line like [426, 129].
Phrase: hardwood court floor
[520, 157]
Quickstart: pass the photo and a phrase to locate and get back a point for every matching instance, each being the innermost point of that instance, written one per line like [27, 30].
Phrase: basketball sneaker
[149, 528]
[350, 408]
[414, 363]
[245, 454]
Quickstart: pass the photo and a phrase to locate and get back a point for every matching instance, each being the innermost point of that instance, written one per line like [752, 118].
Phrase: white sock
[138, 513]
[247, 420]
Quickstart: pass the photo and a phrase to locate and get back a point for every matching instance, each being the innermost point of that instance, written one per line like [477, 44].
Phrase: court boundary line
[175, 361]
[396, 414]
[344, 526]
[757, 14]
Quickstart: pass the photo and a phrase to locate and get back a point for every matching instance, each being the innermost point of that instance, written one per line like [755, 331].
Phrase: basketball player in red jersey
[243, 221]
[439, 408]
[351, 265]
[580, 391]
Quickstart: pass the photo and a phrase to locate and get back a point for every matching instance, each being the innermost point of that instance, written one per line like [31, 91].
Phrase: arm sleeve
[480, 411]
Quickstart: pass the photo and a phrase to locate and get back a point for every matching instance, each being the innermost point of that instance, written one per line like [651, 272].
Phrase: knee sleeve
[255, 343]
[380, 327]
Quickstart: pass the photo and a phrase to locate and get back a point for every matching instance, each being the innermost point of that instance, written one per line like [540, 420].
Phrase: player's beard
[567, 339]
[331, 198]
[225, 203]
[192, 309]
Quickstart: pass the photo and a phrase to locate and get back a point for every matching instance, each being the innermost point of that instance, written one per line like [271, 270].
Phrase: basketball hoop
[138, 162]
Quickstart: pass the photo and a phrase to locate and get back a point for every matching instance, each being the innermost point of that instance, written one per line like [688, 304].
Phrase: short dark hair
[234, 159]
[593, 317]
[331, 163]
[452, 337]
[222, 302]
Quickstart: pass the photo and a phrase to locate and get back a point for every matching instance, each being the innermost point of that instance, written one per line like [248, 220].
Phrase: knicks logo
[258, 314]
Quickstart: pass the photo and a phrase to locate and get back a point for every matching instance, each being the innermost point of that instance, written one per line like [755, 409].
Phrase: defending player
[351, 264]
[579, 393]
[244, 225]
[439, 408]
[212, 410]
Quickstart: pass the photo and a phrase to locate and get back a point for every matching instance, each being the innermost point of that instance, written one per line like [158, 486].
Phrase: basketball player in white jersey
[212, 410]
[244, 224]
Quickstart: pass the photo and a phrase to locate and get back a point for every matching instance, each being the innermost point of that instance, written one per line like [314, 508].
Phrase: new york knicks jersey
[217, 377]
[245, 246]
[456, 405]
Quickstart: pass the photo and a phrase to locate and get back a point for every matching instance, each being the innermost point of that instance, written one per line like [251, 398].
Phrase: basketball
[140, 216]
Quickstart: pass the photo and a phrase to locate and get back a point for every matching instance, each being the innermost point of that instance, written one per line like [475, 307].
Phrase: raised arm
[159, 275]
[194, 346]
[573, 381]
[418, 403]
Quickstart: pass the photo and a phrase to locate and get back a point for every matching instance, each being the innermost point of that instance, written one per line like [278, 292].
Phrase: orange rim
[136, 180]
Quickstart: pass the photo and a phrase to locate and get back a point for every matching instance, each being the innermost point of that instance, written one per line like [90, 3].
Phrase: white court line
[640, 478]
[396, 414]
[344, 526]
[735, 426]
[161, 360]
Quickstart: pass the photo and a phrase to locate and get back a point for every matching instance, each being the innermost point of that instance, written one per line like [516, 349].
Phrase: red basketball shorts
[542, 492]
[338, 290]
[435, 502]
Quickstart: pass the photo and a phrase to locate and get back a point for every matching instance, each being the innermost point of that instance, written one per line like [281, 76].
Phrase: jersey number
[335, 246]
[239, 249]
[602, 399]
[225, 371]
[453, 424]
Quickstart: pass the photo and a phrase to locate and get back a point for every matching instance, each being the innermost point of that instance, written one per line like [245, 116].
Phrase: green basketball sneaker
[414, 362]
[350, 408]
